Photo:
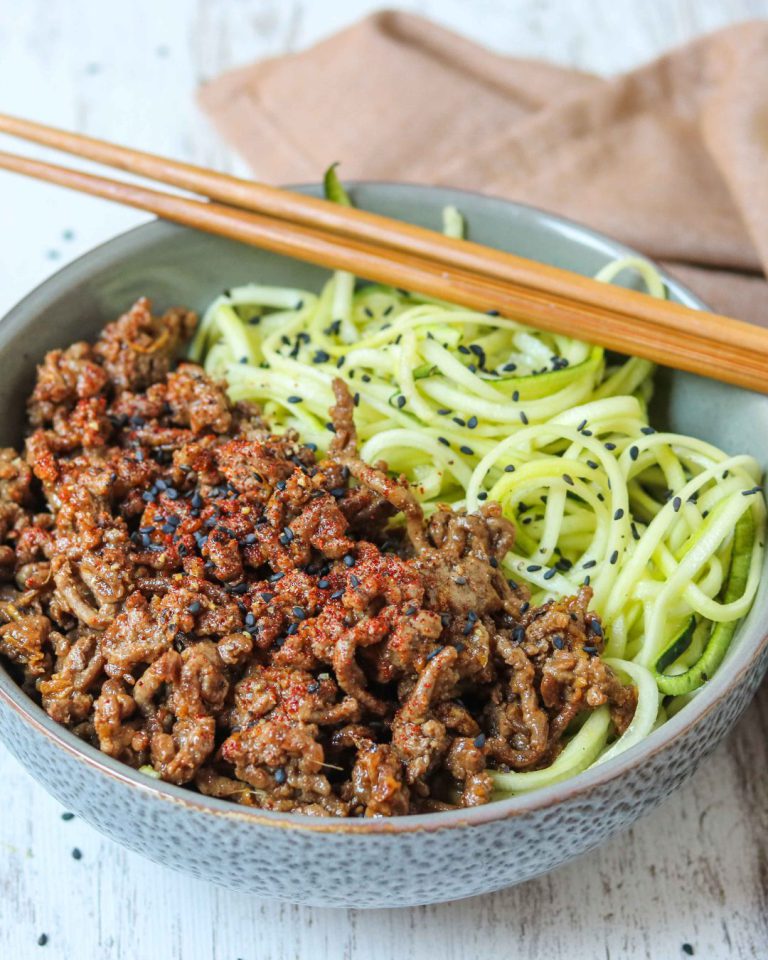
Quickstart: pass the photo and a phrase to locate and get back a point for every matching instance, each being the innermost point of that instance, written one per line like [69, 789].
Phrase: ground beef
[185, 590]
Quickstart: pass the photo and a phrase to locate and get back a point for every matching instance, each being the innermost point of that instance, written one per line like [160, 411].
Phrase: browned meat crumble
[183, 589]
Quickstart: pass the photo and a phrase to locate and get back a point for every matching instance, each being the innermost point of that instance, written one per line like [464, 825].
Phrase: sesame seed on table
[690, 880]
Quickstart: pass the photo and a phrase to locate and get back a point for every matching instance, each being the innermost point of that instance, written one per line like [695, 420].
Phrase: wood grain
[696, 871]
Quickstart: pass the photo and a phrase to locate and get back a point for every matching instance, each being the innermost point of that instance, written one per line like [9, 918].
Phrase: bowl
[377, 862]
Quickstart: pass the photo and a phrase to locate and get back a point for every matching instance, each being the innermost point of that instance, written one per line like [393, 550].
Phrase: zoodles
[474, 406]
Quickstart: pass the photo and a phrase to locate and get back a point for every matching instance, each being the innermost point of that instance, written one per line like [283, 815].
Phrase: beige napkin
[671, 158]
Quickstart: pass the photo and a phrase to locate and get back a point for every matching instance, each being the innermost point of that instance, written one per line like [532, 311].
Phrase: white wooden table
[695, 872]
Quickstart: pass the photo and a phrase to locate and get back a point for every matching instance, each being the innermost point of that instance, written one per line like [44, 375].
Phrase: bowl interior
[173, 265]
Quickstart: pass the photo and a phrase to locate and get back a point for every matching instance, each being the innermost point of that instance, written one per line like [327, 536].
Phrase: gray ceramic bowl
[362, 863]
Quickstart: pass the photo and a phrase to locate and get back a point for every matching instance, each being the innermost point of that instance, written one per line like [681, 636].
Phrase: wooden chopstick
[742, 361]
[543, 280]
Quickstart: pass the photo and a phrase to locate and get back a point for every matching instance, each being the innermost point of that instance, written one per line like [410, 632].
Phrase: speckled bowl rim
[739, 662]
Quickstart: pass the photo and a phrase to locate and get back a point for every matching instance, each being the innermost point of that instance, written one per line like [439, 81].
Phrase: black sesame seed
[588, 564]
[610, 446]
[460, 580]
[482, 495]
[676, 504]
[687, 949]
[518, 634]
[299, 612]
[472, 423]
[582, 425]
[533, 567]
[591, 464]
[280, 775]
[42, 940]
[410, 610]
[239, 589]
[444, 442]
[525, 607]
[461, 423]
[468, 451]
[275, 577]
[523, 417]
[509, 367]
[558, 641]
[516, 396]
[337, 595]
[479, 741]
[77, 853]
[463, 349]
[596, 628]
[634, 453]
[250, 620]
[588, 648]
[194, 607]
[550, 573]
[266, 597]
[434, 653]
[323, 584]
[568, 479]
[294, 399]
[66, 817]
[647, 431]
[349, 560]
[618, 514]
[614, 557]
[749, 493]
[443, 412]
[400, 402]
[510, 468]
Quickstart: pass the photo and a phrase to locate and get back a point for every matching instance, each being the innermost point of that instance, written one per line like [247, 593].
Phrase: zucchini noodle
[472, 407]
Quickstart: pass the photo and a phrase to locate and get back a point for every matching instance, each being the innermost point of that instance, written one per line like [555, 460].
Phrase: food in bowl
[206, 599]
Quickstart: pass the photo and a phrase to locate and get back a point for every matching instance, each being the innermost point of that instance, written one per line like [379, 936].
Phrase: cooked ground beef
[185, 590]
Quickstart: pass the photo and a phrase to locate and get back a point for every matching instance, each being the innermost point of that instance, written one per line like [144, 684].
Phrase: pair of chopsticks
[389, 251]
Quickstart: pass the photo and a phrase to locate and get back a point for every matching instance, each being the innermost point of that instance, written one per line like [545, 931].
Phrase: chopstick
[388, 251]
